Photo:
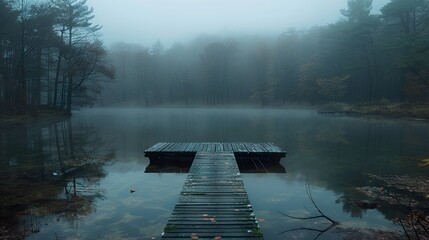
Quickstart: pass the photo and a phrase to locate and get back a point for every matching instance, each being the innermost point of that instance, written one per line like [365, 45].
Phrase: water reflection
[349, 156]
[336, 154]
[346, 161]
[49, 169]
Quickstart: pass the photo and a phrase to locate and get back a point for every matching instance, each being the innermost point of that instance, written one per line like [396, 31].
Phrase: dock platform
[213, 203]
[251, 157]
[241, 148]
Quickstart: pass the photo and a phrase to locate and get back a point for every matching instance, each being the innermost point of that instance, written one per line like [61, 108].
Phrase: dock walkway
[213, 203]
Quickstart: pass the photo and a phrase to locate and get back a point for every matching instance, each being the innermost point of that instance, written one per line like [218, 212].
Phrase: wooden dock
[251, 157]
[213, 203]
[236, 147]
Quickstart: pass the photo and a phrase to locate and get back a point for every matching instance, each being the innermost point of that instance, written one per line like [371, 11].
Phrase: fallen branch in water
[416, 222]
[322, 215]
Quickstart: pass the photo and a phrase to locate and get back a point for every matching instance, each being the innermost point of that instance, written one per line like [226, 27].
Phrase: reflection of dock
[251, 157]
[213, 203]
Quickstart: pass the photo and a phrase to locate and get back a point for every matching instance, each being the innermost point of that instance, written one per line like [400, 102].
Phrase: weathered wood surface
[213, 202]
[236, 147]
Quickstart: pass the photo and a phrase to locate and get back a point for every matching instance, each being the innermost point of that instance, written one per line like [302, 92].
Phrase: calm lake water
[72, 179]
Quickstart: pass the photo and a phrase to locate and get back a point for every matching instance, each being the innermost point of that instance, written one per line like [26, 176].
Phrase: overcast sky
[145, 21]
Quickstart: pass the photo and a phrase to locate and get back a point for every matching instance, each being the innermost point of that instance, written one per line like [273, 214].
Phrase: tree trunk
[57, 76]
[22, 90]
[69, 94]
[36, 98]
[69, 74]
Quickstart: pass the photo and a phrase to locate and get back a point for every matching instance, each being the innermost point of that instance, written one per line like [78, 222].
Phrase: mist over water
[337, 156]
[87, 86]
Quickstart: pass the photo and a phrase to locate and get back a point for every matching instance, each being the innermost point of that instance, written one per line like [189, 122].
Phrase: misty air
[226, 119]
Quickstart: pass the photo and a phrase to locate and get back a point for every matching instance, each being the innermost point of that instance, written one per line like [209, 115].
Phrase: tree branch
[322, 215]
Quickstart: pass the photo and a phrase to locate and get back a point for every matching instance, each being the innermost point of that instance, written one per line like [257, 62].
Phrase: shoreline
[414, 112]
[31, 115]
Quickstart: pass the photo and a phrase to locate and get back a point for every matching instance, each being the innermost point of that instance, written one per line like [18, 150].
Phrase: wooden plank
[230, 230]
[259, 148]
[267, 147]
[204, 215]
[155, 147]
[183, 146]
[190, 147]
[211, 147]
[250, 147]
[206, 146]
[274, 148]
[196, 146]
[241, 148]
[218, 147]
[213, 201]
[210, 235]
[163, 147]
[219, 221]
[174, 147]
[234, 147]
[255, 148]
[227, 146]
[203, 147]
[167, 147]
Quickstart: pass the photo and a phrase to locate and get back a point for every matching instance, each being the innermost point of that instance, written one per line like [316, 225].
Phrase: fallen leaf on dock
[424, 163]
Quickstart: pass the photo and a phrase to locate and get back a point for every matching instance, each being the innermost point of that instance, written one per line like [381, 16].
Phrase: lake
[73, 178]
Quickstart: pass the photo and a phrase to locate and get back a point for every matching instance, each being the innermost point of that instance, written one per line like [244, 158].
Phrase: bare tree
[321, 214]
[74, 17]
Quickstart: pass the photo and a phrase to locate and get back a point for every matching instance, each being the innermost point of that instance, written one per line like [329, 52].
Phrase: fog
[146, 21]
[87, 85]
[269, 53]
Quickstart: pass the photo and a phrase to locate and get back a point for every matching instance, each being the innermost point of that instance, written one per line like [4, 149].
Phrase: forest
[91, 176]
[52, 55]
[361, 58]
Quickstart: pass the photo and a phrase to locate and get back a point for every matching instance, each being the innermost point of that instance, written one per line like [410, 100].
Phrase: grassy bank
[385, 109]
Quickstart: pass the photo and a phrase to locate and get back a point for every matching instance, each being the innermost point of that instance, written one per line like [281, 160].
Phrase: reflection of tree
[48, 169]
[341, 154]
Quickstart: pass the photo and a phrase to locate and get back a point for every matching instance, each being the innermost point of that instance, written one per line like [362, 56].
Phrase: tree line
[50, 55]
[361, 58]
